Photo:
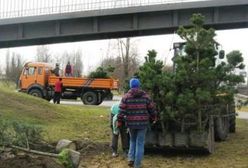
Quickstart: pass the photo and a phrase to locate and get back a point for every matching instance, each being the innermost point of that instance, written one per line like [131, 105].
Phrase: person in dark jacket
[56, 70]
[116, 132]
[57, 91]
[68, 69]
[137, 109]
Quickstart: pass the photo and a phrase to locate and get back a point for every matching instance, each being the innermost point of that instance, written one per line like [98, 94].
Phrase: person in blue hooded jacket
[137, 109]
[118, 130]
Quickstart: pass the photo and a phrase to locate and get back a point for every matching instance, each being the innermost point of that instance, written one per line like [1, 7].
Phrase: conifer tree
[198, 83]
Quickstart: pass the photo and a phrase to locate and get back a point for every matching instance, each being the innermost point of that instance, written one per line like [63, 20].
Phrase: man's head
[60, 79]
[57, 64]
[134, 83]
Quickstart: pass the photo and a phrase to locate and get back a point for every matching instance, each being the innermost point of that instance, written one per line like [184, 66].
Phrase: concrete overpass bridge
[36, 24]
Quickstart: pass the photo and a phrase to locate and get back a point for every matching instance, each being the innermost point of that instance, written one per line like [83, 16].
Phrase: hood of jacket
[136, 92]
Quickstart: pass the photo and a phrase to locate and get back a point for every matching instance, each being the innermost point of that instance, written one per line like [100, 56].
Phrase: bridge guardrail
[23, 8]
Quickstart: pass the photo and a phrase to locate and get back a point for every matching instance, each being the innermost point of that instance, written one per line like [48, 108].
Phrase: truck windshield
[29, 71]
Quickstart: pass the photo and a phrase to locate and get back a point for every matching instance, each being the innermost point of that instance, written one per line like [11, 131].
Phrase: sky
[95, 51]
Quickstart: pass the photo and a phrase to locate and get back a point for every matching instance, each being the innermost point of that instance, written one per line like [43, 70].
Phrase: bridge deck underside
[117, 25]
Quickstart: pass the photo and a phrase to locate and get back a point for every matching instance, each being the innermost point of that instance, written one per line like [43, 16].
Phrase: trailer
[184, 133]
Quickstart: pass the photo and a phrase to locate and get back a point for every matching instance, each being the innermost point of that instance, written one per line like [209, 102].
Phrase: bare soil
[230, 153]
[29, 161]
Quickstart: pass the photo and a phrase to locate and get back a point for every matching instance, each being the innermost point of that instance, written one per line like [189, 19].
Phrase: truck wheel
[109, 96]
[221, 128]
[35, 92]
[48, 99]
[89, 98]
[100, 100]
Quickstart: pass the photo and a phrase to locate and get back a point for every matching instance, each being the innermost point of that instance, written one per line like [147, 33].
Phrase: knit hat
[134, 83]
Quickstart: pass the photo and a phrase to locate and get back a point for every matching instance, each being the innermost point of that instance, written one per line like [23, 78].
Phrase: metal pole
[59, 6]
[22, 8]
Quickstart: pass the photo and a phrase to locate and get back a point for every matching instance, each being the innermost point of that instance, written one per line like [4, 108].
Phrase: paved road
[242, 115]
[109, 103]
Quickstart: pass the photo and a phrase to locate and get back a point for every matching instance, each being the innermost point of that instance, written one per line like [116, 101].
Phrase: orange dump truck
[38, 79]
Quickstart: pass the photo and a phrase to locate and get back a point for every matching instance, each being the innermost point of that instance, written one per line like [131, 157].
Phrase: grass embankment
[58, 121]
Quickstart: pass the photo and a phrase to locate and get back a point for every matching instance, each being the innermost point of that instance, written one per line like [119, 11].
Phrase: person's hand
[119, 124]
[154, 120]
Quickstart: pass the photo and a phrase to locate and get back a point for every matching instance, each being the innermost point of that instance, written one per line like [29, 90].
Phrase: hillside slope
[58, 121]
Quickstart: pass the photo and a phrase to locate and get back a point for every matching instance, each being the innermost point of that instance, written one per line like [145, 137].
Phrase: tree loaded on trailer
[196, 99]
[38, 80]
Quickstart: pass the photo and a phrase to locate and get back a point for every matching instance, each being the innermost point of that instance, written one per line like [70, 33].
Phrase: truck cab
[34, 78]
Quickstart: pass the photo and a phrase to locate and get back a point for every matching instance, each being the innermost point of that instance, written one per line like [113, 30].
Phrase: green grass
[58, 121]
[243, 109]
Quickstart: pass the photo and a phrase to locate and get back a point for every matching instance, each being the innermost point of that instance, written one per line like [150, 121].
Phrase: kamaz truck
[38, 79]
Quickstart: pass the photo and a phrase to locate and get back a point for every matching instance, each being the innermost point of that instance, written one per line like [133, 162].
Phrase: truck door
[40, 77]
[29, 77]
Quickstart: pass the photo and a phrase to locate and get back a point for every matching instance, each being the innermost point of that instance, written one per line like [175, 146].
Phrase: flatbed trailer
[183, 134]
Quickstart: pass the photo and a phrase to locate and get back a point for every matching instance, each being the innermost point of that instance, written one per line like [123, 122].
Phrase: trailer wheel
[35, 92]
[232, 122]
[221, 128]
[211, 138]
[232, 119]
[89, 98]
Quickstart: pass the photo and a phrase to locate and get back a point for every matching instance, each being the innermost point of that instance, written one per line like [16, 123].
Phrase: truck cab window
[31, 71]
[47, 71]
[25, 72]
[40, 71]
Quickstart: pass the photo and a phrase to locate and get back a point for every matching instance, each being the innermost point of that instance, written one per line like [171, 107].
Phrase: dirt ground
[230, 153]
[29, 161]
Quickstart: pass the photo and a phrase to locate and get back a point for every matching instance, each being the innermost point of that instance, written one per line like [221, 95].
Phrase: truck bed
[85, 82]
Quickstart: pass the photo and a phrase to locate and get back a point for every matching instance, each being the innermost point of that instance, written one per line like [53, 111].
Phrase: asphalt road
[106, 103]
[242, 115]
[109, 103]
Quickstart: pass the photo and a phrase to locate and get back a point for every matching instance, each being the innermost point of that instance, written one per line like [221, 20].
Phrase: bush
[64, 158]
[100, 72]
[19, 134]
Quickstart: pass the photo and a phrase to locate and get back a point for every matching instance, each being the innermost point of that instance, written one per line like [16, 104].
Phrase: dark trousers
[124, 140]
[56, 97]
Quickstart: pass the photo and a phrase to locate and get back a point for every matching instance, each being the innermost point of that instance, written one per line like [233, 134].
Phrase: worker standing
[116, 132]
[68, 69]
[57, 91]
[137, 110]
[56, 70]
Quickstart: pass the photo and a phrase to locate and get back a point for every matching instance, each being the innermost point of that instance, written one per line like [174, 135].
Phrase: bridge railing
[24, 8]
